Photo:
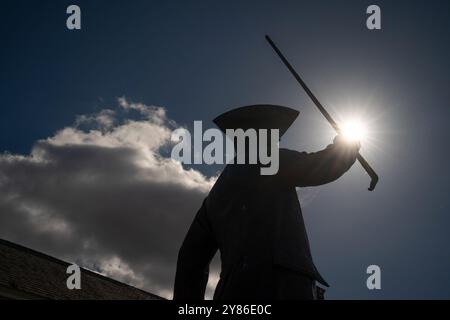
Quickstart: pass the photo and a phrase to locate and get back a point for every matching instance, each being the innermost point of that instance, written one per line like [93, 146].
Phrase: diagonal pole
[373, 175]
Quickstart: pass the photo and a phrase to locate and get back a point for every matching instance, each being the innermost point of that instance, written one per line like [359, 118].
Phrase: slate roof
[28, 274]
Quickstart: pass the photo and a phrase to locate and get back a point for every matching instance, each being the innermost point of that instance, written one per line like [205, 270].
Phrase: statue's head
[261, 116]
[252, 128]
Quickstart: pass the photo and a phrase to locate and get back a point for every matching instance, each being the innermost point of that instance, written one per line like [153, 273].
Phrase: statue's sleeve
[304, 169]
[196, 252]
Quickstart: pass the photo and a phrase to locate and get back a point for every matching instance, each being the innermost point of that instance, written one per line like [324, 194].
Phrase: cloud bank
[102, 194]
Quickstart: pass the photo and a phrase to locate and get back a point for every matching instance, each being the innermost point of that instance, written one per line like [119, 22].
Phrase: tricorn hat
[261, 116]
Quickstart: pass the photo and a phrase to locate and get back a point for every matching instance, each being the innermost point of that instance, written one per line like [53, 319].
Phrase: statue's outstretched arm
[312, 169]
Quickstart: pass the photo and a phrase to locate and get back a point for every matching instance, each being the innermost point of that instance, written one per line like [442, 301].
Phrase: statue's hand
[341, 142]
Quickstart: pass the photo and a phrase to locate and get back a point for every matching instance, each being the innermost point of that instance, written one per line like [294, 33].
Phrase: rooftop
[29, 274]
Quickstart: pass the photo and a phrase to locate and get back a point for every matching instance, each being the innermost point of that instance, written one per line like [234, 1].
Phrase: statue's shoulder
[287, 154]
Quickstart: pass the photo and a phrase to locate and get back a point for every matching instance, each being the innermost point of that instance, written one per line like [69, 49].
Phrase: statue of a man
[255, 220]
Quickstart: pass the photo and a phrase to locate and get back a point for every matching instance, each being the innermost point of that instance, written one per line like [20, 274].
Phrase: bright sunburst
[354, 130]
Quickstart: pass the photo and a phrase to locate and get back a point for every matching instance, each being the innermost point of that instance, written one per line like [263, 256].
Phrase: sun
[354, 130]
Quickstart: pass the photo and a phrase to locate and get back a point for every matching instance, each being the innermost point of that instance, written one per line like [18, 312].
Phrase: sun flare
[354, 130]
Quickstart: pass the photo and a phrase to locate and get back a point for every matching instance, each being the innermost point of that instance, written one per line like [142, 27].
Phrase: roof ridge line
[62, 262]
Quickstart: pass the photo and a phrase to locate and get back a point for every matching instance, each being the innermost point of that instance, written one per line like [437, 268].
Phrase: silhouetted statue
[255, 220]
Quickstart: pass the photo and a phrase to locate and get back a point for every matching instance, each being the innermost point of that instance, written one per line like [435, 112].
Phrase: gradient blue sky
[200, 58]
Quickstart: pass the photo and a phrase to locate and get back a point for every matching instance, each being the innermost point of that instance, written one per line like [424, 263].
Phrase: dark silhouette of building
[28, 274]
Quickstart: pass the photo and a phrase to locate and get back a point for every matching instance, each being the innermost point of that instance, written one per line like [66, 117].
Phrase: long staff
[362, 161]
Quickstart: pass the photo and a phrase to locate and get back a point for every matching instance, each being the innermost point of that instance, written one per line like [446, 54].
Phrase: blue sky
[198, 59]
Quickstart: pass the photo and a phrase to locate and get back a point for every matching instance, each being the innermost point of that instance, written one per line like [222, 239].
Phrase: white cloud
[104, 196]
